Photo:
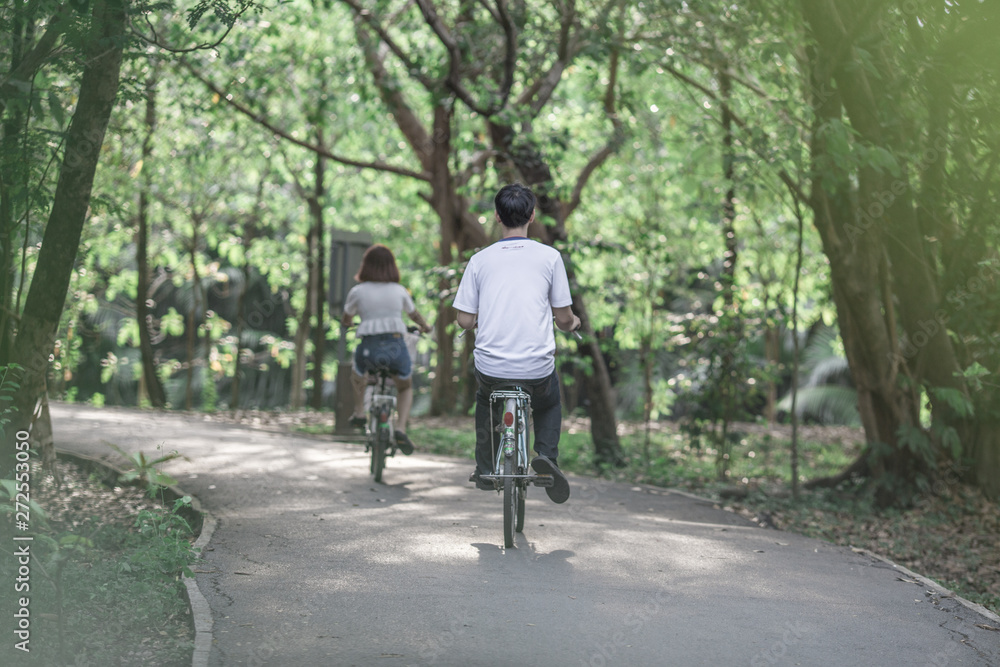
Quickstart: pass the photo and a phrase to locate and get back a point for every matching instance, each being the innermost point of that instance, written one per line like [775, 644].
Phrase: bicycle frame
[381, 409]
[511, 471]
[513, 428]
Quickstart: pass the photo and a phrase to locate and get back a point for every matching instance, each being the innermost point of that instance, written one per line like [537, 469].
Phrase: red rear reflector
[508, 418]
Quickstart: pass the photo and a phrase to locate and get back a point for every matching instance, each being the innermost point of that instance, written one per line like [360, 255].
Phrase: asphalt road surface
[313, 563]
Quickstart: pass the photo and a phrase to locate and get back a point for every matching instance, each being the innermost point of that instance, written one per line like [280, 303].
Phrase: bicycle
[511, 471]
[380, 430]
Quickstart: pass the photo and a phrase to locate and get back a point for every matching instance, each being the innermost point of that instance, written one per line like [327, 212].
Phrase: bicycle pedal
[543, 480]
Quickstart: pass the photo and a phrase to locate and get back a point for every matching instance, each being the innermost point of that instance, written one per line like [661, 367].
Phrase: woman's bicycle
[380, 398]
[381, 408]
[512, 475]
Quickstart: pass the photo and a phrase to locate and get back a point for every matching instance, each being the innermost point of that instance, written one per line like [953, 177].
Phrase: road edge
[933, 585]
[930, 583]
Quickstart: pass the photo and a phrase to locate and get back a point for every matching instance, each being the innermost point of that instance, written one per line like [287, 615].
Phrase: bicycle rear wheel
[522, 492]
[378, 452]
[511, 494]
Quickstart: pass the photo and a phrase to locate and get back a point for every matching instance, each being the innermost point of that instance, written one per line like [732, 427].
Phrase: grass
[105, 576]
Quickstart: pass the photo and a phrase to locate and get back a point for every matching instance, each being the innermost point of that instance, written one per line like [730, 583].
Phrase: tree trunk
[883, 231]
[984, 451]
[646, 360]
[856, 269]
[316, 281]
[297, 398]
[61, 240]
[13, 185]
[444, 389]
[192, 324]
[234, 399]
[151, 379]
[249, 234]
[730, 375]
[600, 390]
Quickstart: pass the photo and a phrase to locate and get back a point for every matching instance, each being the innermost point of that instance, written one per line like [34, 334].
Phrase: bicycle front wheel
[511, 494]
[378, 452]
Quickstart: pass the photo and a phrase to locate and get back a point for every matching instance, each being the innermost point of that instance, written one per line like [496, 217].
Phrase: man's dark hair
[514, 204]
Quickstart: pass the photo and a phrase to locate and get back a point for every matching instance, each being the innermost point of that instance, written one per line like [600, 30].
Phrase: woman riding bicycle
[380, 301]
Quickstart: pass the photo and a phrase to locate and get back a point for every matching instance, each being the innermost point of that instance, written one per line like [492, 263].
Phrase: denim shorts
[383, 351]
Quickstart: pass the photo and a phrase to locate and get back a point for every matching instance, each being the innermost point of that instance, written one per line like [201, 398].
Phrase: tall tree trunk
[885, 217]
[151, 379]
[250, 231]
[316, 277]
[302, 334]
[865, 326]
[444, 389]
[527, 162]
[241, 300]
[297, 398]
[47, 294]
[13, 185]
[192, 324]
[600, 390]
[731, 317]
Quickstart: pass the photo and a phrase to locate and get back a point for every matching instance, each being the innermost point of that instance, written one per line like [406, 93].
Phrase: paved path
[312, 563]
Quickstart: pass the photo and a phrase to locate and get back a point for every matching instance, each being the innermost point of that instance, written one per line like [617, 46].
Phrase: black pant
[546, 413]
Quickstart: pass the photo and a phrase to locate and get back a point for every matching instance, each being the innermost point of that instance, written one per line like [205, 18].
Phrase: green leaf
[955, 399]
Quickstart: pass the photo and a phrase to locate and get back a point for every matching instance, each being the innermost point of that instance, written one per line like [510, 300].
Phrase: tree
[886, 231]
[43, 306]
[102, 47]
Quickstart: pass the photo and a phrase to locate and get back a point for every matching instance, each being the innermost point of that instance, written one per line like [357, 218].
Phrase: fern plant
[826, 392]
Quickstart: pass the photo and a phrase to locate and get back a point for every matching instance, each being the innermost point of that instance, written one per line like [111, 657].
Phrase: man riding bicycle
[511, 290]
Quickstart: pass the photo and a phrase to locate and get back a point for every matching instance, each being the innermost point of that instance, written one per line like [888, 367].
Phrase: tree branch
[785, 177]
[609, 148]
[406, 120]
[412, 67]
[228, 20]
[454, 80]
[261, 120]
[542, 88]
[20, 76]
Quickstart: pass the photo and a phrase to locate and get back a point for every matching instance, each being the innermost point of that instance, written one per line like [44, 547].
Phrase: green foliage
[108, 588]
[9, 502]
[8, 387]
[954, 399]
[166, 546]
[144, 471]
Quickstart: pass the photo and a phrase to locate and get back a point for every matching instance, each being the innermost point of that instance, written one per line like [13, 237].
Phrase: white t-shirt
[380, 306]
[513, 285]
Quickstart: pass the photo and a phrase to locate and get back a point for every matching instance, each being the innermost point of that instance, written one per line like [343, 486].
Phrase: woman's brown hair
[378, 266]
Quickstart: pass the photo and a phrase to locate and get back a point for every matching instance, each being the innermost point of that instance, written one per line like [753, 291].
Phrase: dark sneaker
[359, 422]
[559, 491]
[481, 484]
[404, 443]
